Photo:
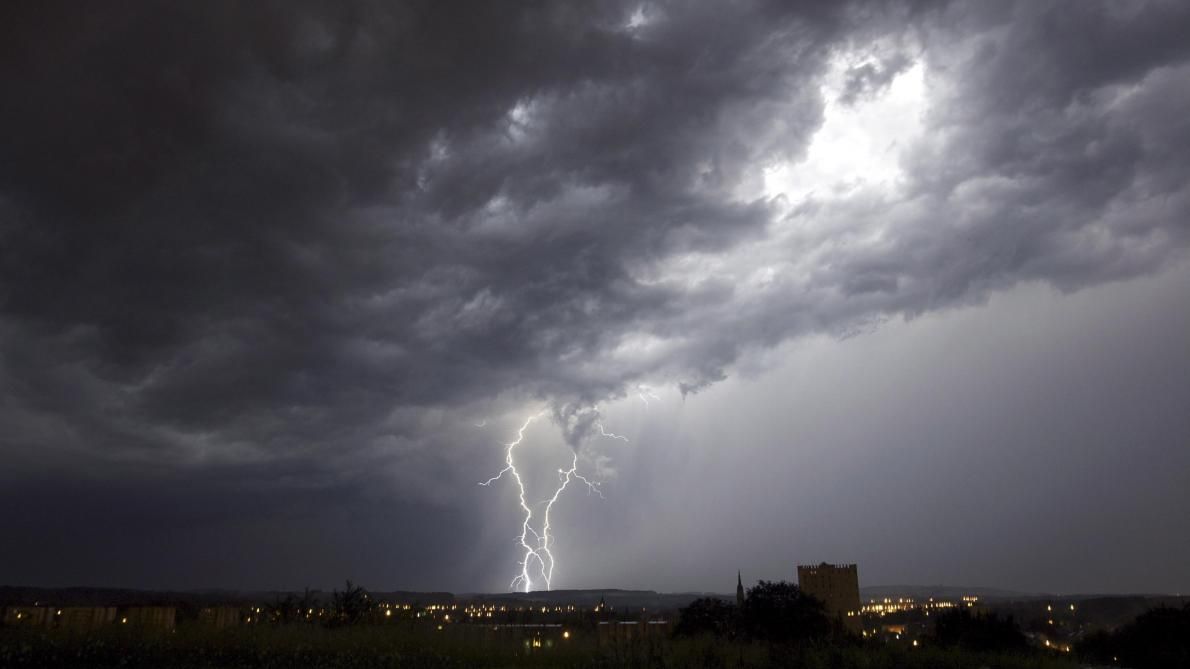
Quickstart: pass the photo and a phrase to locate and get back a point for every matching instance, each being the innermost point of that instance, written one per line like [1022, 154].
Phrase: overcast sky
[901, 284]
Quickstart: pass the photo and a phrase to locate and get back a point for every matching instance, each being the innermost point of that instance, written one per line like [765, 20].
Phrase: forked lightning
[538, 557]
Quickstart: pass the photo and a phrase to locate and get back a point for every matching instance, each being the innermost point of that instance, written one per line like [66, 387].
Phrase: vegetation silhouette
[350, 606]
[779, 611]
[982, 632]
[294, 609]
[708, 615]
[772, 611]
[1157, 638]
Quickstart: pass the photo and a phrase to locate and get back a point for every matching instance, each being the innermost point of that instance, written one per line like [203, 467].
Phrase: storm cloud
[301, 249]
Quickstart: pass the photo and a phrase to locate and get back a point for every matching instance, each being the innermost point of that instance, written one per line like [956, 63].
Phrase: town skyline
[468, 297]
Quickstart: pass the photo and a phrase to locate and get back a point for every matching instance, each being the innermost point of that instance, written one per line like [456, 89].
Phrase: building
[221, 617]
[837, 586]
[150, 617]
[29, 616]
[86, 618]
[739, 589]
[614, 631]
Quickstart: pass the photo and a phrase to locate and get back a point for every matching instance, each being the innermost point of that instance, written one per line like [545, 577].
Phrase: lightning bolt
[537, 553]
[610, 435]
[531, 551]
[646, 393]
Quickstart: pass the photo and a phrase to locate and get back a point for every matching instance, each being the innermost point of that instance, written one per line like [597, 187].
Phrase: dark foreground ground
[379, 646]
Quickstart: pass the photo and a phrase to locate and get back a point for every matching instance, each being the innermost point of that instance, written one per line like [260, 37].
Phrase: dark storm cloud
[280, 225]
[301, 235]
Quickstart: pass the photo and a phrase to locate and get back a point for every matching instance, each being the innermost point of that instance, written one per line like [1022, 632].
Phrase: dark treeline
[799, 632]
[771, 611]
[1156, 639]
[982, 632]
[781, 613]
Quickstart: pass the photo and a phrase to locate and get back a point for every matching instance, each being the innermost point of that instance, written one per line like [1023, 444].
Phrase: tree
[285, 610]
[351, 605]
[292, 608]
[983, 632]
[1157, 638]
[780, 611]
[708, 615]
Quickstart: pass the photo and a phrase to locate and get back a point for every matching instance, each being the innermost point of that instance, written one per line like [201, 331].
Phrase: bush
[984, 632]
[351, 606]
[708, 615]
[1157, 638]
[781, 612]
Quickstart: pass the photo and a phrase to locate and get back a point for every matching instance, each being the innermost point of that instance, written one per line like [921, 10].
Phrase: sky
[900, 284]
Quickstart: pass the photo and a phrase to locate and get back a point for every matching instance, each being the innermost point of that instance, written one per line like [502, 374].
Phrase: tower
[836, 586]
[739, 589]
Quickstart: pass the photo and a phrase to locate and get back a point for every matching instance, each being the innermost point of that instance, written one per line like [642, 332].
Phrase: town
[545, 622]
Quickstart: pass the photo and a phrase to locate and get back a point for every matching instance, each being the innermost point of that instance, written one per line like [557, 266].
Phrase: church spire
[739, 589]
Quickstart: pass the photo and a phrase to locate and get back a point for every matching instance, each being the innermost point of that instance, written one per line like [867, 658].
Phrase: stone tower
[837, 586]
[739, 589]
